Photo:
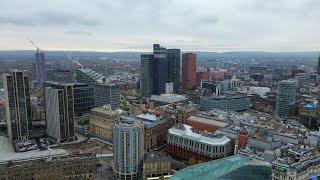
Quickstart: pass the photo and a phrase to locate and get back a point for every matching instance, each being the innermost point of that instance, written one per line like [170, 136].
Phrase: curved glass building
[233, 167]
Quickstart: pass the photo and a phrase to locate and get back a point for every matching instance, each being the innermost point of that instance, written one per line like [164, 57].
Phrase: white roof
[208, 121]
[186, 131]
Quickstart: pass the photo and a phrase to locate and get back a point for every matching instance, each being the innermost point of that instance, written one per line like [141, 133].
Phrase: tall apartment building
[146, 75]
[39, 68]
[128, 148]
[59, 106]
[107, 93]
[286, 97]
[159, 69]
[189, 76]
[173, 68]
[17, 103]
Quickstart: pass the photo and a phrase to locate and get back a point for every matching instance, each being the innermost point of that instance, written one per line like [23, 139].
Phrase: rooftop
[186, 131]
[219, 169]
[168, 98]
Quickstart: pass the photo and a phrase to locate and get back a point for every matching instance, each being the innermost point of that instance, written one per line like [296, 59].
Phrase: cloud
[49, 19]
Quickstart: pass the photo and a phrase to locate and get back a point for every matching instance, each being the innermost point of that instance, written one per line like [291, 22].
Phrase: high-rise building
[40, 68]
[189, 76]
[159, 69]
[173, 68]
[88, 76]
[107, 93]
[59, 105]
[128, 148]
[17, 103]
[83, 99]
[59, 75]
[319, 65]
[146, 75]
[286, 97]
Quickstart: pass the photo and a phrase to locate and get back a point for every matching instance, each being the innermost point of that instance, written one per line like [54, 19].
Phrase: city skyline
[207, 26]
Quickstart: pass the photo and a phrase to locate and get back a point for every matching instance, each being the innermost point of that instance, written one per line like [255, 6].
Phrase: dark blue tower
[159, 69]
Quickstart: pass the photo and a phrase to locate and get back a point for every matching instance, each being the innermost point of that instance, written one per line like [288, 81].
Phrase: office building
[18, 105]
[173, 68]
[88, 76]
[146, 75]
[184, 143]
[227, 101]
[286, 98]
[59, 106]
[128, 148]
[78, 166]
[159, 69]
[107, 93]
[102, 119]
[83, 99]
[39, 68]
[59, 75]
[189, 76]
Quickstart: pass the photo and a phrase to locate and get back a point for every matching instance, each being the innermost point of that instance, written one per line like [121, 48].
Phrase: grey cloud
[209, 20]
[50, 19]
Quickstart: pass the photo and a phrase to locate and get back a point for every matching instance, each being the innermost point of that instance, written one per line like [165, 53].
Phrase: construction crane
[34, 44]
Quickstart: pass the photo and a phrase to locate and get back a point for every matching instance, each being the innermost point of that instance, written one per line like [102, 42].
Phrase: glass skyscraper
[286, 98]
[18, 106]
[159, 69]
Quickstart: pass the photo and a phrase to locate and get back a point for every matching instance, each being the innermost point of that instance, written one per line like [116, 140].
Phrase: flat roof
[186, 131]
[211, 121]
[7, 152]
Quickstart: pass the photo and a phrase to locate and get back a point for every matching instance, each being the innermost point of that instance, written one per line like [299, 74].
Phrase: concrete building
[156, 164]
[107, 93]
[173, 68]
[189, 76]
[128, 148]
[179, 112]
[309, 115]
[205, 123]
[146, 75]
[185, 144]
[18, 104]
[295, 162]
[159, 69]
[79, 166]
[164, 99]
[226, 101]
[213, 87]
[59, 106]
[102, 119]
[286, 98]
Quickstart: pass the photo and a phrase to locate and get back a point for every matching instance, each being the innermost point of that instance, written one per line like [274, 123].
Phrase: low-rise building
[227, 101]
[185, 144]
[80, 166]
[156, 164]
[164, 99]
[102, 119]
[155, 129]
[297, 162]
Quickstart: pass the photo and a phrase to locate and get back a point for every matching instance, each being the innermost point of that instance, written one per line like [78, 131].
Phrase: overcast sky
[121, 25]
